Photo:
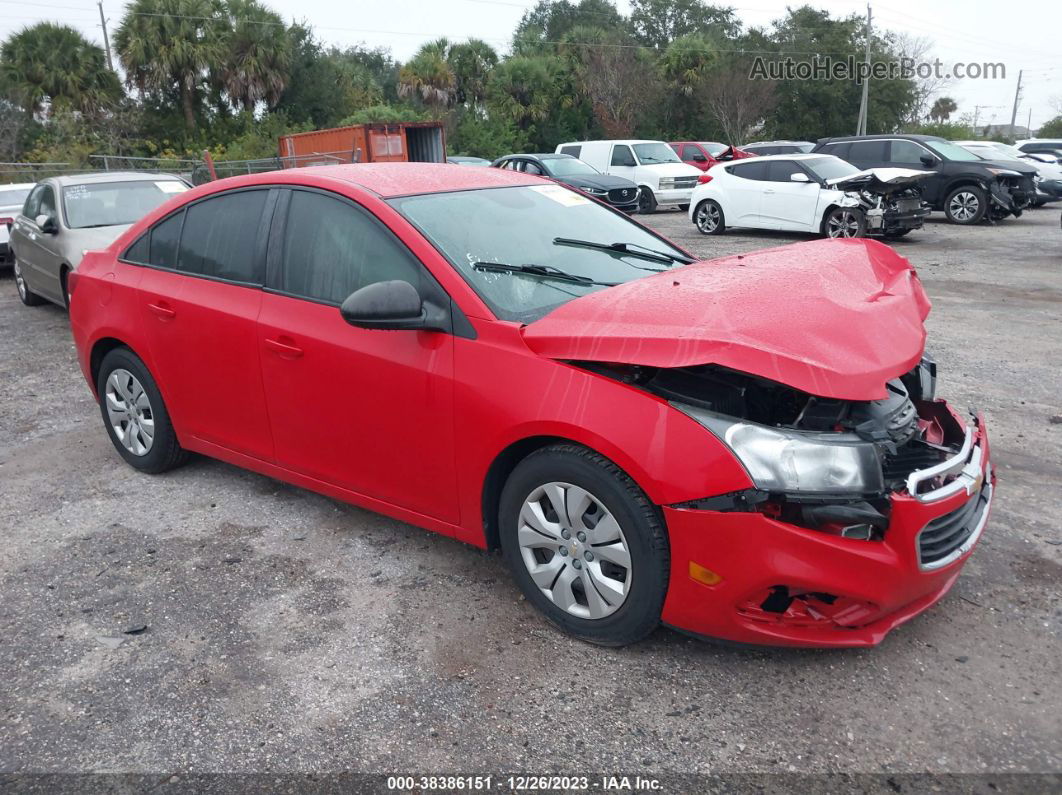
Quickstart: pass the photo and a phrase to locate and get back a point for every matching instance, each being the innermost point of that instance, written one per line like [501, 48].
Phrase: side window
[47, 206]
[571, 150]
[33, 202]
[622, 156]
[219, 237]
[867, 151]
[906, 152]
[140, 251]
[331, 249]
[532, 168]
[757, 171]
[162, 251]
[837, 150]
[779, 170]
[692, 153]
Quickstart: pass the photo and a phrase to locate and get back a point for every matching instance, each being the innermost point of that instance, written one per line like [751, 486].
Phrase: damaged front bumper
[742, 575]
[1011, 195]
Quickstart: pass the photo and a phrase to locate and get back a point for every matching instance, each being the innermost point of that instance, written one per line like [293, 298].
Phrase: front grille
[622, 195]
[908, 205]
[945, 536]
[908, 458]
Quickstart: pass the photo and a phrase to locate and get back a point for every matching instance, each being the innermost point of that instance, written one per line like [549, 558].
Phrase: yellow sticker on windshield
[568, 198]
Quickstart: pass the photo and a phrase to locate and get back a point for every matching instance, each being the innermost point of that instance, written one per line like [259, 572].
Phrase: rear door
[367, 410]
[199, 303]
[868, 154]
[786, 204]
[744, 193]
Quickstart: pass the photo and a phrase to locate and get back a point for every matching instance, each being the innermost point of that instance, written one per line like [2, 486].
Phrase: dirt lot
[285, 631]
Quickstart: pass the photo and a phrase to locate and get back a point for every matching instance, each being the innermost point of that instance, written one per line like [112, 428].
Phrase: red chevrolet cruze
[748, 448]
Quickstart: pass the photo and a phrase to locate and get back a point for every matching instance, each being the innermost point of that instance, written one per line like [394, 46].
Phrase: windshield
[714, 147]
[951, 151]
[519, 226]
[10, 197]
[115, 203]
[656, 152]
[568, 167]
[827, 168]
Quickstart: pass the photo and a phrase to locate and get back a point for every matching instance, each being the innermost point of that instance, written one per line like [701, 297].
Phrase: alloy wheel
[842, 223]
[20, 280]
[574, 550]
[964, 206]
[129, 412]
[707, 218]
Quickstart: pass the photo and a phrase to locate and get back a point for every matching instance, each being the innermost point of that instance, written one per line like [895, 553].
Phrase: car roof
[886, 136]
[389, 180]
[17, 185]
[774, 143]
[790, 156]
[113, 176]
[1040, 141]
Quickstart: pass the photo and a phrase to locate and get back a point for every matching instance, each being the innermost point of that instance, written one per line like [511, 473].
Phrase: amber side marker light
[703, 575]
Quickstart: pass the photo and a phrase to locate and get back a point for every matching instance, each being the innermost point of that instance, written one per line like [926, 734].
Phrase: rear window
[115, 203]
[752, 170]
[574, 151]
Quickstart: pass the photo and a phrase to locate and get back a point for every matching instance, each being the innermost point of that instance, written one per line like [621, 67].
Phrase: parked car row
[570, 386]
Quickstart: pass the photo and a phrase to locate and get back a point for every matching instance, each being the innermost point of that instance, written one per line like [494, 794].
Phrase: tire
[844, 222]
[966, 205]
[646, 201]
[684, 207]
[703, 217]
[28, 297]
[152, 450]
[627, 599]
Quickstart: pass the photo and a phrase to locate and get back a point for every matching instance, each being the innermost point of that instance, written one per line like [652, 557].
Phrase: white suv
[663, 178]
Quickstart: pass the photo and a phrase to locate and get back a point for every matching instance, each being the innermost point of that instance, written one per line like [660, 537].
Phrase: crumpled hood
[834, 318]
[880, 180]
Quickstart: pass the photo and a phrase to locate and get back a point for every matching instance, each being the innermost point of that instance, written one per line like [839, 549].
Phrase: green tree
[257, 55]
[657, 23]
[1052, 129]
[942, 109]
[544, 26]
[428, 77]
[170, 46]
[522, 90]
[54, 64]
[471, 63]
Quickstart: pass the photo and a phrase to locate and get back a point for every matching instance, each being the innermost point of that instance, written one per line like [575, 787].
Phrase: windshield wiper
[626, 248]
[542, 271]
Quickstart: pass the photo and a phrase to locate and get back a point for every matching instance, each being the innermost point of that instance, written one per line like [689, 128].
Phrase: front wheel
[134, 414]
[585, 545]
[25, 295]
[844, 222]
[709, 218]
[966, 205]
[646, 201]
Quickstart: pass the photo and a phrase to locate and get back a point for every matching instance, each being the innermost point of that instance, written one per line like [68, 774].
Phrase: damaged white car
[821, 194]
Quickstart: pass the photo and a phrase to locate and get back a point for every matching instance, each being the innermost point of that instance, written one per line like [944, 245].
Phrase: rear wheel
[709, 218]
[27, 296]
[966, 205]
[646, 201]
[844, 222]
[134, 414]
[585, 545]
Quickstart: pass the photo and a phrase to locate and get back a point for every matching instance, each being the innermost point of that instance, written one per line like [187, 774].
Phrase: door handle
[284, 349]
[162, 309]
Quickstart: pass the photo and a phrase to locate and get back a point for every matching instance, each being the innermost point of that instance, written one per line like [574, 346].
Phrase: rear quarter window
[574, 151]
[754, 170]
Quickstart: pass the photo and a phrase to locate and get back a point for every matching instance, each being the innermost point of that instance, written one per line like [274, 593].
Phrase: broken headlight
[796, 462]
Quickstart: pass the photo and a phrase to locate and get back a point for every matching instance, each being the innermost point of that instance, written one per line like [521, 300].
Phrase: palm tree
[258, 55]
[428, 75]
[171, 45]
[471, 63]
[942, 109]
[54, 64]
[522, 89]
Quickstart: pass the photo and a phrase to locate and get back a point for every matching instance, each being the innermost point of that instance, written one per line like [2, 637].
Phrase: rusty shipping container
[420, 142]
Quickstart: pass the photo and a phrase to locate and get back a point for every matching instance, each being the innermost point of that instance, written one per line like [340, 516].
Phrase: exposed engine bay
[890, 198]
[906, 431]
[1010, 193]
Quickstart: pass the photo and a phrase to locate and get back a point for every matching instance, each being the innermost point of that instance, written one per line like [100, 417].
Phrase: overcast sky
[1022, 35]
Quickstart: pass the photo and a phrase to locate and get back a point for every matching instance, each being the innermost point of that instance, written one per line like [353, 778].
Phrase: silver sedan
[66, 216]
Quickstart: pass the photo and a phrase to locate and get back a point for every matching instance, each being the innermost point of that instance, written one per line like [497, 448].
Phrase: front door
[367, 410]
[787, 204]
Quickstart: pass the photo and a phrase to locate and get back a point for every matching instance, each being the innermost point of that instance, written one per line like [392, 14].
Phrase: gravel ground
[288, 632]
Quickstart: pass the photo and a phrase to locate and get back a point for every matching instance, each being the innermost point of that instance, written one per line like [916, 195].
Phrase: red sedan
[748, 448]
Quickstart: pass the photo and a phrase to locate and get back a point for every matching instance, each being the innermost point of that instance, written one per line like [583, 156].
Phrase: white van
[664, 179]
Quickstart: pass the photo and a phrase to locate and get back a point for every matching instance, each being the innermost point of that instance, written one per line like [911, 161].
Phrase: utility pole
[1028, 125]
[106, 39]
[1017, 98]
[861, 126]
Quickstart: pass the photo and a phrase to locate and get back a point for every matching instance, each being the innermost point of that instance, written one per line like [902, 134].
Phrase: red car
[705, 154]
[748, 448]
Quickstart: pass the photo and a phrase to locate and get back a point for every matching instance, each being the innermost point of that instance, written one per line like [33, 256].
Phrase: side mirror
[799, 176]
[928, 161]
[46, 223]
[393, 305]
